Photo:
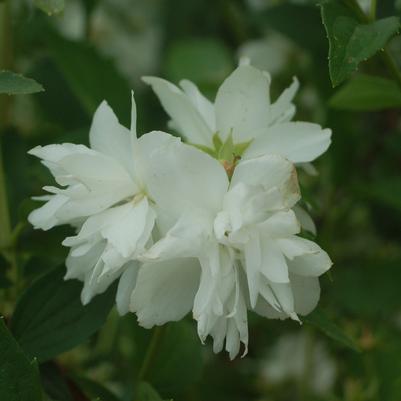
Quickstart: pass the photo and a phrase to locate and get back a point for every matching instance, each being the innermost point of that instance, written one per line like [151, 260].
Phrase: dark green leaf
[386, 191]
[367, 93]
[179, 348]
[95, 390]
[146, 392]
[350, 41]
[16, 84]
[319, 319]
[50, 319]
[54, 384]
[19, 378]
[50, 7]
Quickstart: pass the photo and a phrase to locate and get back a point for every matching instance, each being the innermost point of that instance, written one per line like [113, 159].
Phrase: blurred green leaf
[367, 93]
[50, 7]
[146, 392]
[386, 191]
[179, 349]
[19, 378]
[95, 390]
[53, 382]
[281, 19]
[378, 287]
[320, 320]
[16, 84]
[204, 61]
[350, 41]
[91, 76]
[50, 319]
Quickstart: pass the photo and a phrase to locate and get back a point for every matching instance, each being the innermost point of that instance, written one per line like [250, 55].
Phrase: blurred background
[99, 49]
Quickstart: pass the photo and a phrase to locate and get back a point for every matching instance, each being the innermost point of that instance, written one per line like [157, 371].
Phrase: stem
[5, 225]
[6, 56]
[5, 62]
[373, 7]
[8, 238]
[391, 65]
[151, 352]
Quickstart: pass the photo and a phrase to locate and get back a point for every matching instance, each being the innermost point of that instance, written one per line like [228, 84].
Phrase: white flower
[243, 234]
[242, 108]
[104, 194]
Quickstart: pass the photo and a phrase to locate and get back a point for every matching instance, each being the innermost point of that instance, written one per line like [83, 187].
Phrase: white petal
[97, 171]
[126, 286]
[45, 217]
[306, 293]
[242, 103]
[185, 239]
[128, 230]
[83, 202]
[269, 171]
[204, 106]
[79, 266]
[273, 264]
[182, 111]
[299, 142]
[306, 257]
[232, 340]
[280, 225]
[51, 156]
[181, 177]
[109, 137]
[253, 264]
[165, 291]
[282, 110]
[305, 219]
[285, 297]
[96, 283]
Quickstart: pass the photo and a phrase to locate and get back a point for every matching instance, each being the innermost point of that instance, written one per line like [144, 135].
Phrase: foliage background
[88, 50]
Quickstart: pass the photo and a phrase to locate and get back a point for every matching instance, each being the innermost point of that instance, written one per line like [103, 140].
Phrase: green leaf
[367, 93]
[320, 320]
[92, 77]
[386, 191]
[179, 348]
[50, 7]
[19, 378]
[54, 382]
[16, 84]
[146, 392]
[95, 390]
[350, 41]
[50, 319]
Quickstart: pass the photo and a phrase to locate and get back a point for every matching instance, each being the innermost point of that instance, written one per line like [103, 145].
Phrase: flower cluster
[211, 225]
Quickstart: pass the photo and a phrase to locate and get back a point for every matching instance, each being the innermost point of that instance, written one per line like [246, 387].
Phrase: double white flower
[182, 230]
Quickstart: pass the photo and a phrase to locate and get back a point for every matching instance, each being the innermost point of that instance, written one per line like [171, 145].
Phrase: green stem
[151, 352]
[373, 7]
[391, 65]
[8, 238]
[5, 225]
[5, 62]
[150, 356]
[6, 56]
